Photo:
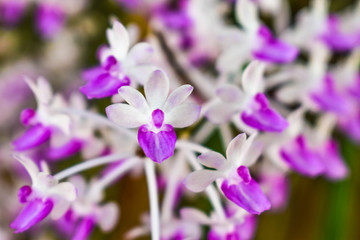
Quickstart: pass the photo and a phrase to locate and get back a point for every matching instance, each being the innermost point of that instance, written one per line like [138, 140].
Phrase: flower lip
[109, 63]
[27, 115]
[158, 117]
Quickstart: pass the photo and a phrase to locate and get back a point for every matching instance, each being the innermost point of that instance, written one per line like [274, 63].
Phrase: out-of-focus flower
[11, 11]
[45, 196]
[44, 120]
[157, 115]
[119, 65]
[237, 185]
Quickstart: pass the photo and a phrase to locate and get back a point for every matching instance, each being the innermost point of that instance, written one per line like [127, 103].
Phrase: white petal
[157, 89]
[79, 183]
[235, 148]
[134, 98]
[60, 207]
[212, 159]
[252, 79]
[118, 39]
[178, 96]
[125, 115]
[197, 181]
[141, 53]
[29, 165]
[256, 149]
[221, 112]
[77, 100]
[108, 216]
[247, 15]
[229, 93]
[41, 89]
[140, 74]
[194, 215]
[183, 115]
[231, 59]
[65, 190]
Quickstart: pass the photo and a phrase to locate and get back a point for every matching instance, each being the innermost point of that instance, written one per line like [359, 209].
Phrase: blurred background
[317, 208]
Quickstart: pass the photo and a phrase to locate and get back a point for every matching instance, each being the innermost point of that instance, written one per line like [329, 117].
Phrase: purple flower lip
[33, 137]
[273, 50]
[244, 173]
[24, 193]
[27, 115]
[84, 229]
[33, 212]
[260, 116]
[158, 118]
[157, 146]
[66, 150]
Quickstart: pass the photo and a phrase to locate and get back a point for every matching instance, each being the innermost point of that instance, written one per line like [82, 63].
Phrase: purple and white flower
[43, 121]
[237, 184]
[44, 197]
[250, 101]
[120, 66]
[157, 115]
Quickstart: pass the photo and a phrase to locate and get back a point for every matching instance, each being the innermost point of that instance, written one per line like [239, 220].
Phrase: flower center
[158, 118]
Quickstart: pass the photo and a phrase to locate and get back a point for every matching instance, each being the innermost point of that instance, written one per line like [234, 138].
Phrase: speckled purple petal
[273, 50]
[66, 150]
[260, 116]
[35, 211]
[50, 19]
[157, 146]
[103, 86]
[33, 137]
[301, 158]
[248, 196]
[84, 229]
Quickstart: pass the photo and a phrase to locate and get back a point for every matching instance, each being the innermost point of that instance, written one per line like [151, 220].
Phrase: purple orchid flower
[44, 121]
[276, 188]
[253, 105]
[237, 185]
[50, 19]
[328, 98]
[337, 40]
[45, 197]
[335, 168]
[157, 115]
[119, 65]
[12, 11]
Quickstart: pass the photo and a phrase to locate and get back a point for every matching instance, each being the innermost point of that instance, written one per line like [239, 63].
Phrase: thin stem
[190, 146]
[117, 172]
[210, 190]
[89, 164]
[101, 120]
[153, 198]
[171, 187]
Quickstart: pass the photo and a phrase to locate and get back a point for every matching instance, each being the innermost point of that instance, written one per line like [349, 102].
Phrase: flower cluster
[271, 93]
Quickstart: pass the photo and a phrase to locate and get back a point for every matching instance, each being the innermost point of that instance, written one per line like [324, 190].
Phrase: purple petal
[329, 99]
[31, 214]
[277, 189]
[246, 229]
[337, 40]
[260, 116]
[84, 229]
[33, 137]
[158, 117]
[50, 20]
[157, 146]
[248, 196]
[103, 86]
[66, 150]
[11, 12]
[244, 173]
[302, 159]
[335, 167]
[273, 50]
[91, 74]
[23, 193]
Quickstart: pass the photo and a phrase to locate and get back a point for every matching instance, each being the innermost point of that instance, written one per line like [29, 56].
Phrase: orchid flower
[237, 184]
[87, 211]
[157, 115]
[119, 65]
[254, 42]
[250, 102]
[11, 11]
[45, 196]
[43, 121]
